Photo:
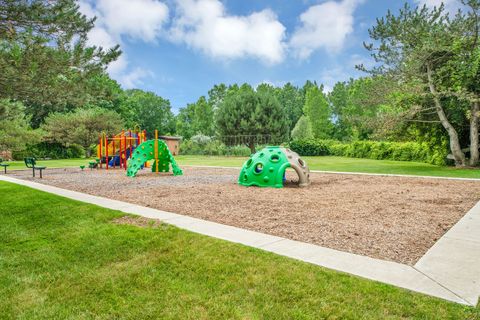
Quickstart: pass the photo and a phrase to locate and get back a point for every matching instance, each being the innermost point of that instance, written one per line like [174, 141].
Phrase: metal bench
[32, 163]
[4, 165]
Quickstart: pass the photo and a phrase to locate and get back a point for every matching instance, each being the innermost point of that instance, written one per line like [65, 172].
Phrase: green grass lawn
[62, 163]
[315, 163]
[65, 259]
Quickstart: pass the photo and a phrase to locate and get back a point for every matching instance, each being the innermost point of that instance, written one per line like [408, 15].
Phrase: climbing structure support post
[99, 147]
[156, 151]
[144, 138]
[129, 143]
[114, 143]
[106, 152]
[125, 152]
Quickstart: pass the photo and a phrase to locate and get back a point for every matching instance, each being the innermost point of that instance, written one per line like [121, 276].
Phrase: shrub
[50, 150]
[201, 139]
[401, 151]
[310, 147]
[213, 148]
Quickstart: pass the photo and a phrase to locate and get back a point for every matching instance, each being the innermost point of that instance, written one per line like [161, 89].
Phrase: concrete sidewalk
[449, 270]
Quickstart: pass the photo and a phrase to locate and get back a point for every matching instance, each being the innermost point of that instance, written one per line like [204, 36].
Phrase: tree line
[424, 86]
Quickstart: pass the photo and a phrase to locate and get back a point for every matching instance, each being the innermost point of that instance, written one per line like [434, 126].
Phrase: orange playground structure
[114, 151]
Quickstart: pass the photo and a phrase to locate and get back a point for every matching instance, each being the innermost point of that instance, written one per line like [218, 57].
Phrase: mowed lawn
[63, 259]
[61, 163]
[315, 163]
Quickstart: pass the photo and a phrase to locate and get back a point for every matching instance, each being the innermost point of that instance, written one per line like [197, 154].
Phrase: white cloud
[136, 19]
[326, 26]
[205, 25]
[139, 19]
[134, 78]
[274, 83]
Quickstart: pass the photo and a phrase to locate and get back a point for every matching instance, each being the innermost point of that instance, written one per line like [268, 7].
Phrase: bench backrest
[30, 162]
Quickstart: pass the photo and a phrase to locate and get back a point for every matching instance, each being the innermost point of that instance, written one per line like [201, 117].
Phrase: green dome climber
[266, 168]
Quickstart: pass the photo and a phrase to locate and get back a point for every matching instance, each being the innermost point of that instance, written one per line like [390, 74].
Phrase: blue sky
[180, 48]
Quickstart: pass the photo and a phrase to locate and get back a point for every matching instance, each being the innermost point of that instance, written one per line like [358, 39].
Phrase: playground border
[353, 173]
[450, 270]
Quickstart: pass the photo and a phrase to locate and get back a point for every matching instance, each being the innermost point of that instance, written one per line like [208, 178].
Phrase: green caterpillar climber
[157, 150]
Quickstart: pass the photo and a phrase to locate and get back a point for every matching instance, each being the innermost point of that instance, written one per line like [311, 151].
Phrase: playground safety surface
[391, 218]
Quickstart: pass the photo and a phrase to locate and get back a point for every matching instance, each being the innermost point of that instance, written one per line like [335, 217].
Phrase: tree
[184, 121]
[82, 127]
[196, 119]
[203, 122]
[292, 99]
[44, 58]
[360, 107]
[318, 111]
[15, 133]
[199, 118]
[148, 111]
[438, 56]
[250, 114]
[216, 95]
[303, 129]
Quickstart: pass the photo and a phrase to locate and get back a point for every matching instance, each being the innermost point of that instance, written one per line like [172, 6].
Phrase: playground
[391, 218]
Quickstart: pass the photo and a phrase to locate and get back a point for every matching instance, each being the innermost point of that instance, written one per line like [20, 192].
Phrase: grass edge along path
[62, 258]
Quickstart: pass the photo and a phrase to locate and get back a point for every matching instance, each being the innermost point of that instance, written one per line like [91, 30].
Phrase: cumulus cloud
[135, 77]
[139, 19]
[324, 26]
[136, 19]
[205, 25]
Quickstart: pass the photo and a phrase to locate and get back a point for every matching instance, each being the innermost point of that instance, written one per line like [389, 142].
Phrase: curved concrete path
[449, 270]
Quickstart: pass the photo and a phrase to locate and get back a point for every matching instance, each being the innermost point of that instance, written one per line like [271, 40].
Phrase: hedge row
[402, 151]
[212, 148]
[50, 150]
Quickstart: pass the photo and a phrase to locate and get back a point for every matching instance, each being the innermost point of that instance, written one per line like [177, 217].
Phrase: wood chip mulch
[391, 218]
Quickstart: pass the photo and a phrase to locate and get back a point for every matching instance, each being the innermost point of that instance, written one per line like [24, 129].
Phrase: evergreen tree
[292, 99]
[44, 58]
[317, 109]
[437, 55]
[251, 114]
[303, 129]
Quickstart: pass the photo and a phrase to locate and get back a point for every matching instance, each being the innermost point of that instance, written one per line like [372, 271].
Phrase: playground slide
[115, 161]
[146, 151]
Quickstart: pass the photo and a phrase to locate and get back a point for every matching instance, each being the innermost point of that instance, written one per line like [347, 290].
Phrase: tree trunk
[474, 154]
[455, 147]
[251, 145]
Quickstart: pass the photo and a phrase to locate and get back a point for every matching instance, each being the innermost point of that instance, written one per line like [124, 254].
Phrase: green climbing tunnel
[145, 152]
